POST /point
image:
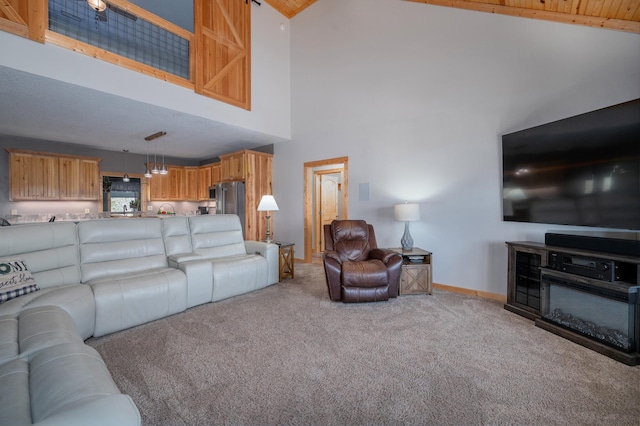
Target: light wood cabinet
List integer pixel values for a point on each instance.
(79, 179)
(258, 168)
(48, 176)
(191, 189)
(159, 187)
(233, 167)
(204, 181)
(176, 182)
(215, 174)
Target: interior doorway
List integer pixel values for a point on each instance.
(326, 195)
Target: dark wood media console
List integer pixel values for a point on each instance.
(577, 294)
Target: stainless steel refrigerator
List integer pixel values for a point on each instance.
(230, 200)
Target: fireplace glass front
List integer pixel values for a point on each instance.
(607, 313)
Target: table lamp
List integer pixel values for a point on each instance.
(268, 204)
(406, 213)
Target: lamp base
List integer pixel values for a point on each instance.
(406, 241)
(268, 237)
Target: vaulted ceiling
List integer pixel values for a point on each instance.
(621, 15)
(290, 8)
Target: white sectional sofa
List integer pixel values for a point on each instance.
(99, 277)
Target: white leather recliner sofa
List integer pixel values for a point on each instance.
(102, 276)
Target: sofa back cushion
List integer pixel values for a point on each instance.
(50, 251)
(217, 235)
(176, 235)
(118, 246)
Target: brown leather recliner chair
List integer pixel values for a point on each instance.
(355, 268)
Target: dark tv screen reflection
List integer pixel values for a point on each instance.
(583, 170)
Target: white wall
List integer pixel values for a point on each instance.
(417, 97)
(270, 77)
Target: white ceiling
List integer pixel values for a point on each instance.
(41, 108)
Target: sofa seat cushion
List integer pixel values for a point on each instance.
(127, 300)
(239, 274)
(367, 273)
(44, 327)
(34, 329)
(76, 299)
(15, 403)
(66, 384)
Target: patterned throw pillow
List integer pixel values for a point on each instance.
(15, 279)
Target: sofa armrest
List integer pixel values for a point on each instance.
(385, 255)
(176, 259)
(269, 251)
(199, 274)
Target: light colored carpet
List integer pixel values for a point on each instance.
(287, 355)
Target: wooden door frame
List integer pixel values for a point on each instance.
(308, 198)
(317, 197)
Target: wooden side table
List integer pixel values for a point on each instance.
(286, 259)
(415, 277)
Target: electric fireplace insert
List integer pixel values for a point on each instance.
(601, 315)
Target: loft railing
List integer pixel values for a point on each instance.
(123, 34)
(221, 69)
(117, 30)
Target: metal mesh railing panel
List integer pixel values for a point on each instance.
(119, 32)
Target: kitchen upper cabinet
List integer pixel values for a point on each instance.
(79, 178)
(176, 182)
(215, 174)
(191, 189)
(204, 181)
(232, 166)
(159, 187)
(47, 176)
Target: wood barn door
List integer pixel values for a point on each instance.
(223, 50)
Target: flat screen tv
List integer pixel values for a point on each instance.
(583, 170)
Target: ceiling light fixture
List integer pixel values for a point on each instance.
(125, 178)
(155, 136)
(163, 168)
(97, 5)
(154, 169)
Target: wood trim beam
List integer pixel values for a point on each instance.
(38, 15)
(589, 21)
(14, 28)
(154, 19)
(87, 49)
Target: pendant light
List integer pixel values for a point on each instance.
(163, 169)
(97, 5)
(154, 169)
(125, 178)
(147, 172)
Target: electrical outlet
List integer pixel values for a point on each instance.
(14, 212)
(149, 208)
(87, 210)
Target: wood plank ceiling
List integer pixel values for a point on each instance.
(290, 8)
(621, 15)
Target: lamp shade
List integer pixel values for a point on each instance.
(267, 203)
(97, 5)
(406, 212)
